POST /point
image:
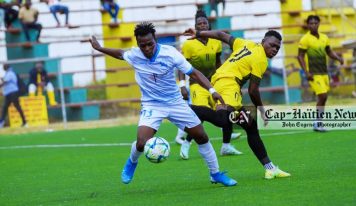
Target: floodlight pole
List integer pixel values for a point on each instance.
(60, 82)
(285, 86)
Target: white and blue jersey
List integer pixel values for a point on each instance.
(10, 80)
(156, 76)
(161, 97)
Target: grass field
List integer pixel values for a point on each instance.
(82, 168)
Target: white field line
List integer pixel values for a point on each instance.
(122, 144)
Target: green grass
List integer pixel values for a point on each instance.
(322, 165)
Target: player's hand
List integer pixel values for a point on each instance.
(94, 43)
(309, 76)
(218, 97)
(341, 60)
(190, 32)
(184, 92)
(263, 116)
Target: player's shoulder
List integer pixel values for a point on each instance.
(323, 36)
(189, 43)
(167, 48)
(258, 53)
(305, 36)
(214, 41)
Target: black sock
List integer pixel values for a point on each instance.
(255, 142)
(227, 131)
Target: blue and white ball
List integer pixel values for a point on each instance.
(157, 149)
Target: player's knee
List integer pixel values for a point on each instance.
(31, 88)
(322, 98)
(140, 145)
(198, 134)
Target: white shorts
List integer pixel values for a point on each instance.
(179, 114)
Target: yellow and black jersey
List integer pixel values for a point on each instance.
(201, 56)
(316, 53)
(248, 60)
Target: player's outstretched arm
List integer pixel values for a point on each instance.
(333, 55)
(204, 82)
(215, 34)
(116, 53)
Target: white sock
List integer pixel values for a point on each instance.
(269, 166)
(180, 133)
(208, 153)
(225, 145)
(134, 155)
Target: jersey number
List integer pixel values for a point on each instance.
(242, 53)
(207, 57)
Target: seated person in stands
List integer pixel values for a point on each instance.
(353, 69)
(39, 81)
(55, 7)
(113, 9)
(10, 14)
(28, 17)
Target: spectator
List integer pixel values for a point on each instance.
(353, 69)
(10, 14)
(28, 17)
(55, 7)
(11, 93)
(214, 7)
(38, 81)
(113, 9)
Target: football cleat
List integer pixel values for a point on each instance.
(276, 172)
(184, 150)
(220, 177)
(128, 171)
(229, 150)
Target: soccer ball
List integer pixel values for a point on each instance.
(157, 149)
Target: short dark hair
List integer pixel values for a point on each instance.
(273, 33)
(200, 13)
(144, 28)
(311, 17)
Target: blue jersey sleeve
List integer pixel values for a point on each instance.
(129, 56)
(181, 63)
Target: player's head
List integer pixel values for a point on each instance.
(146, 39)
(39, 66)
(6, 67)
(313, 22)
(271, 43)
(27, 4)
(201, 21)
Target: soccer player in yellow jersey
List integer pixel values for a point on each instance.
(248, 61)
(204, 55)
(316, 45)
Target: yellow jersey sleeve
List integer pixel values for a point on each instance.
(258, 68)
(303, 43)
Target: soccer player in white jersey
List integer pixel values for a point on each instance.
(154, 66)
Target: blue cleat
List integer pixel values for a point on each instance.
(128, 171)
(220, 177)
